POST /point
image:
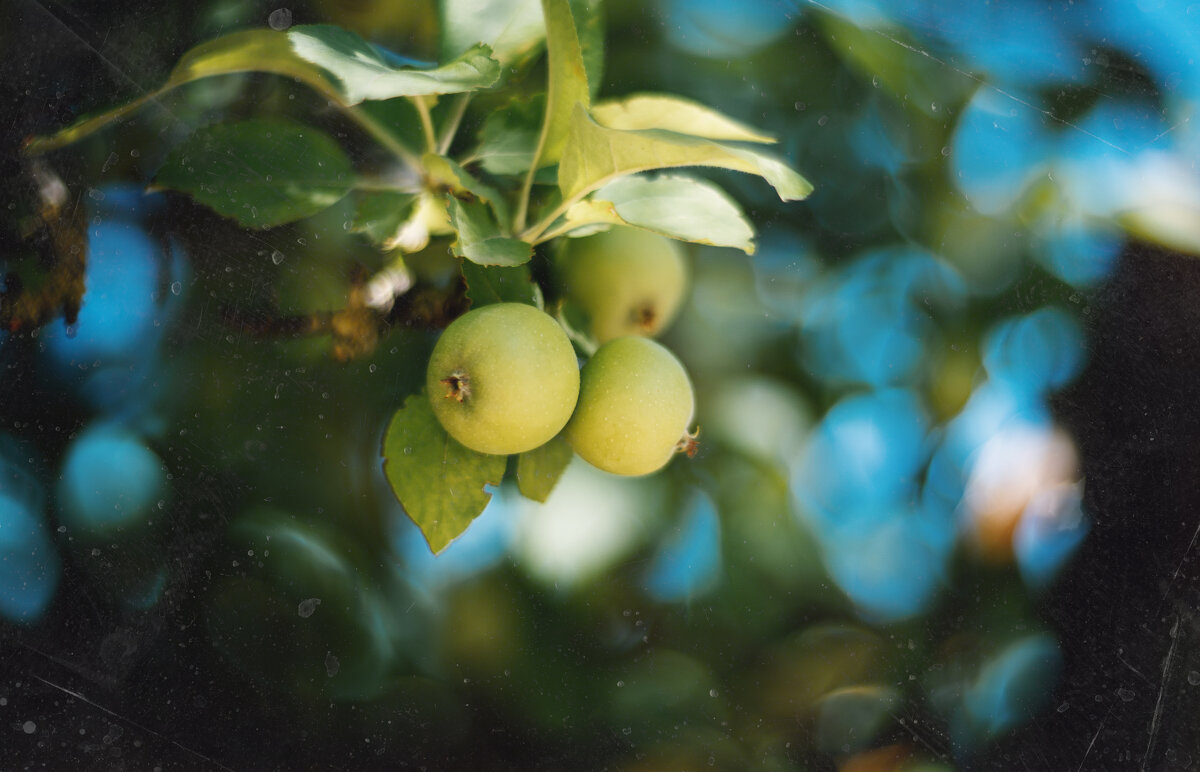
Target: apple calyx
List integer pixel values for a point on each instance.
(458, 386)
(645, 317)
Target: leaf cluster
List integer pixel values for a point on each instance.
(560, 164)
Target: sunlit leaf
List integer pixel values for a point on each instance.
(362, 73)
(538, 470)
(589, 26)
(513, 28)
(259, 50)
(439, 482)
(678, 207)
(672, 113)
(1174, 224)
(596, 155)
(497, 284)
(262, 172)
(568, 84)
(379, 215)
(479, 239)
(333, 61)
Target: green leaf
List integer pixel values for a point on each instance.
(596, 155)
(398, 118)
(335, 62)
(361, 73)
(513, 28)
(678, 207)
(446, 172)
(672, 113)
(258, 50)
(589, 25)
(538, 470)
(568, 83)
(262, 172)
(439, 482)
(379, 215)
(510, 135)
(496, 284)
(479, 238)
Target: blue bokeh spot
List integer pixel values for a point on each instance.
(1036, 353)
(29, 563)
(109, 480)
(117, 322)
(1014, 685)
(1045, 542)
(862, 459)
(689, 562)
(887, 568)
(999, 147)
(865, 323)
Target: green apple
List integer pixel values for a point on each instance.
(629, 281)
(503, 378)
(635, 405)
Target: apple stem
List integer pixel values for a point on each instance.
(688, 443)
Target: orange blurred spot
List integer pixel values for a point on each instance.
(888, 759)
(1010, 471)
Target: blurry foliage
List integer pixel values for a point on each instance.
(874, 390)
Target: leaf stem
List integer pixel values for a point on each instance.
(523, 201)
(586, 343)
(531, 235)
(426, 123)
(451, 126)
(370, 185)
(369, 124)
(555, 233)
(380, 134)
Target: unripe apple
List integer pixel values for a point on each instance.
(629, 281)
(503, 378)
(635, 405)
